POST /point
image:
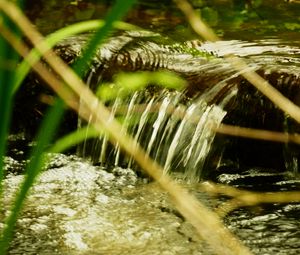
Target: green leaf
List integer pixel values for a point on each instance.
(46, 133)
(292, 26)
(74, 138)
(126, 83)
(168, 80)
(52, 39)
(108, 91)
(132, 81)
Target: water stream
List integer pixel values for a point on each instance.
(177, 136)
(77, 207)
(99, 203)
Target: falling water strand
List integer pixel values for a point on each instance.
(125, 125)
(79, 125)
(202, 141)
(191, 141)
(102, 157)
(176, 139)
(81, 150)
(167, 126)
(142, 122)
(194, 140)
(157, 124)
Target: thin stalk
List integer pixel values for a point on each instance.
(259, 134)
(240, 198)
(118, 10)
(207, 223)
(239, 64)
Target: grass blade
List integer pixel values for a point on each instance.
(46, 133)
(52, 39)
(8, 63)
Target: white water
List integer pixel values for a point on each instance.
(178, 136)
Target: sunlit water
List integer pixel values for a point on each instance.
(80, 208)
(177, 136)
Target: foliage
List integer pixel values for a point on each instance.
(125, 84)
(257, 15)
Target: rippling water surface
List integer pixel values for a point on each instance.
(78, 208)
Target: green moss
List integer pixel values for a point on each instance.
(185, 48)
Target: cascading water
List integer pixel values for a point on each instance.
(79, 208)
(174, 130)
(176, 135)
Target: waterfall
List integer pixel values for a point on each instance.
(175, 131)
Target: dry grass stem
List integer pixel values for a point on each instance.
(239, 64)
(251, 133)
(206, 222)
(259, 134)
(242, 198)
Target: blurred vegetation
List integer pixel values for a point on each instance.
(225, 16)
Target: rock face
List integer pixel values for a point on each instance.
(134, 51)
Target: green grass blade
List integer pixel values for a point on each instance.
(8, 63)
(4, 102)
(119, 9)
(52, 39)
(46, 133)
(74, 138)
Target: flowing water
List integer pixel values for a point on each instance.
(175, 135)
(80, 208)
(101, 205)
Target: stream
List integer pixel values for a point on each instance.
(98, 202)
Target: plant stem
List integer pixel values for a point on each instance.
(7, 66)
(207, 223)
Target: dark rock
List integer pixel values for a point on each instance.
(134, 51)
